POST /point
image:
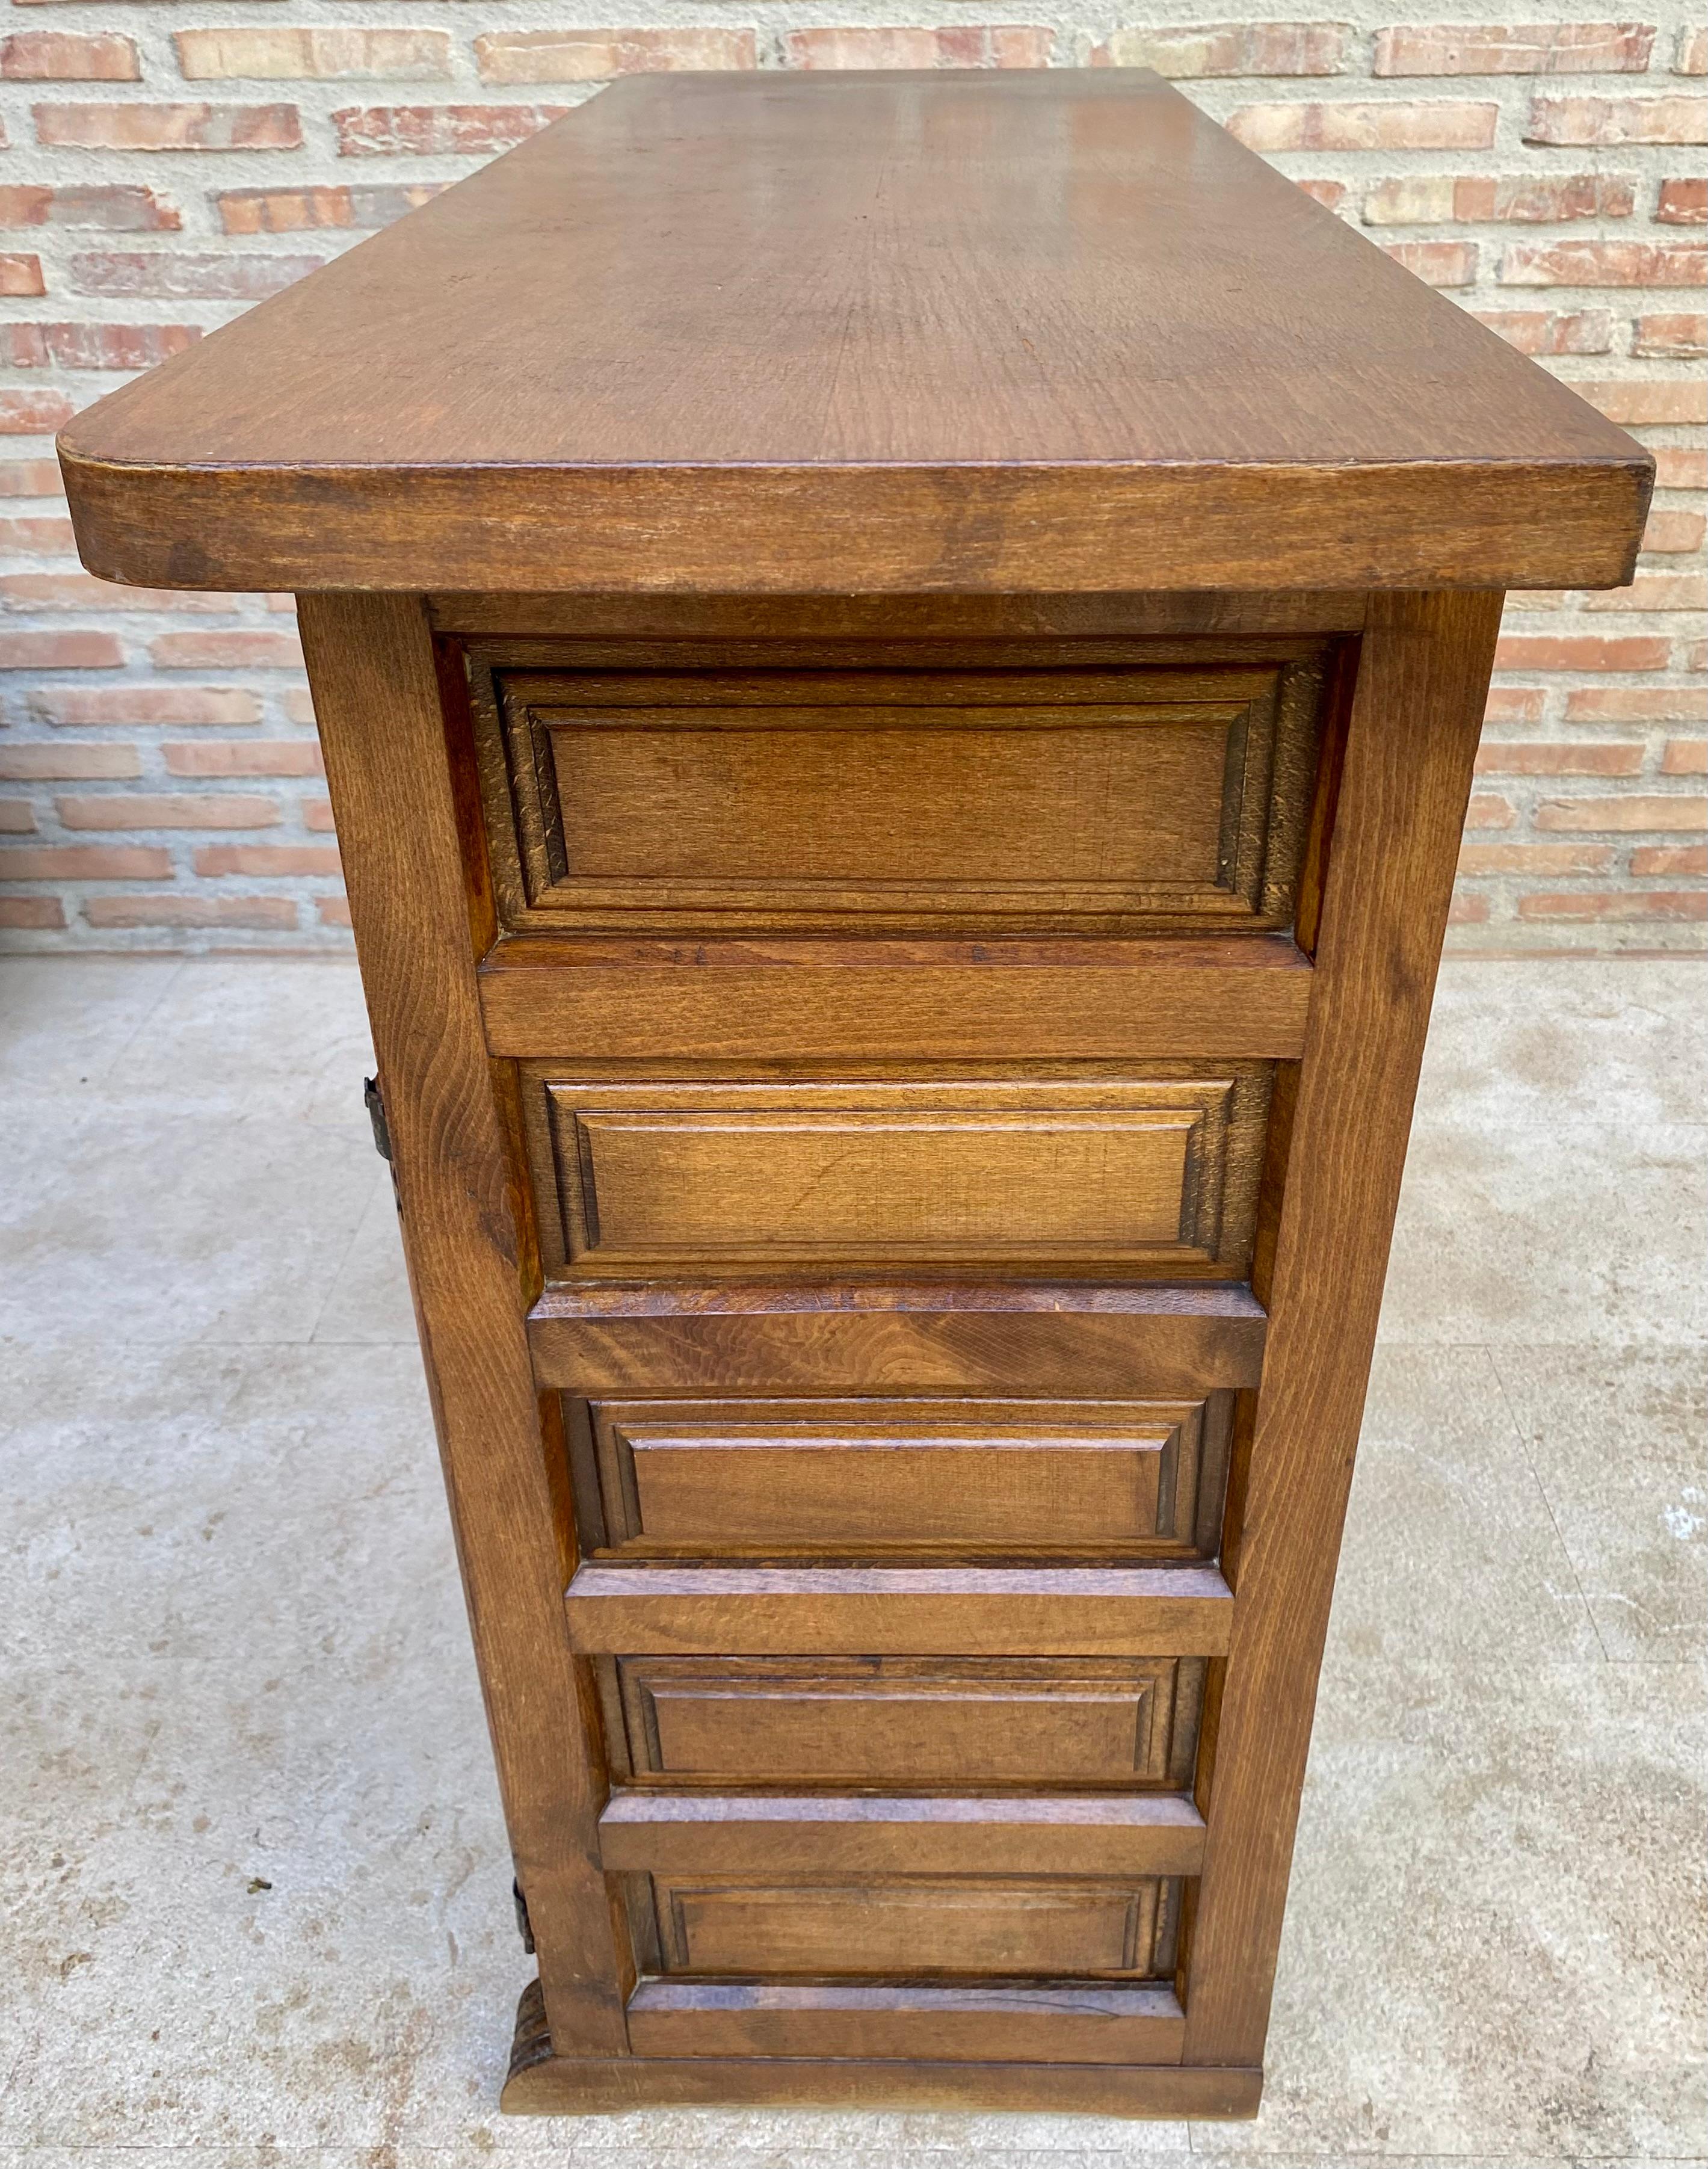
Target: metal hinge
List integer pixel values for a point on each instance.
(376, 1115)
(525, 1928)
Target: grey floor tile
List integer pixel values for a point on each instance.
(66, 1020)
(369, 1301)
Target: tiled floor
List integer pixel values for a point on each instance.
(256, 1905)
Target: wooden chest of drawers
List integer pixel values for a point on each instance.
(899, 778)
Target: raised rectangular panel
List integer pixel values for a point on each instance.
(838, 1478)
(1111, 798)
(917, 1721)
(916, 1925)
(1100, 1174)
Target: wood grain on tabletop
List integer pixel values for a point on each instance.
(962, 330)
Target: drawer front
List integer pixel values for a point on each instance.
(928, 800)
(1099, 1175)
(913, 1926)
(908, 1721)
(666, 1479)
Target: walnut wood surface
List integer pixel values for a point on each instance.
(377, 700)
(965, 331)
(1403, 786)
(1087, 2023)
(867, 1833)
(1137, 1611)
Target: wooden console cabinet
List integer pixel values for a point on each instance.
(899, 658)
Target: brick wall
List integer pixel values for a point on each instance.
(166, 164)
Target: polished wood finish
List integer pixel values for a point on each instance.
(915, 797)
(1040, 329)
(887, 1337)
(876, 1474)
(1145, 1833)
(875, 1000)
(668, 1180)
(1113, 1722)
(898, 1044)
(1137, 1611)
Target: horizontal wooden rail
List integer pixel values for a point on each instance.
(1150, 1338)
(1134, 1834)
(1106, 1611)
(1208, 998)
(1079, 2022)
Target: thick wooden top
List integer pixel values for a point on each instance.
(926, 333)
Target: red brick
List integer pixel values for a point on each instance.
(1618, 904)
(1605, 263)
(68, 764)
(957, 46)
(1540, 200)
(59, 650)
(116, 209)
(1683, 203)
(1436, 125)
(245, 757)
(570, 56)
(1512, 49)
(333, 910)
(1623, 814)
(1485, 811)
(299, 707)
(317, 815)
(68, 57)
(1669, 531)
(475, 132)
(1579, 652)
(1655, 591)
(125, 809)
(1468, 911)
(34, 536)
(1330, 194)
(82, 591)
(1650, 859)
(187, 127)
(1196, 50)
(1691, 55)
(31, 478)
(226, 650)
(1534, 859)
(1575, 120)
(1637, 703)
(94, 346)
(266, 861)
(1567, 759)
(1551, 331)
(303, 210)
(1680, 466)
(322, 54)
(1647, 399)
(252, 911)
(34, 413)
(187, 277)
(1683, 757)
(1437, 263)
(85, 862)
(44, 912)
(75, 707)
(17, 817)
(1696, 655)
(1670, 338)
(1514, 704)
(21, 275)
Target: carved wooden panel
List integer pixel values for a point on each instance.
(965, 1721)
(850, 1479)
(1118, 794)
(914, 1926)
(1092, 1175)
